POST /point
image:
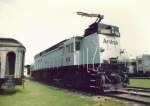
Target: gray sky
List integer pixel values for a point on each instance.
(39, 24)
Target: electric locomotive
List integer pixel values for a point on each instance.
(92, 61)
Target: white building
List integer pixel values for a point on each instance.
(12, 55)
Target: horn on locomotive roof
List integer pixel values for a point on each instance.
(99, 16)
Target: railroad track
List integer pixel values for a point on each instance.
(129, 95)
(138, 90)
(139, 97)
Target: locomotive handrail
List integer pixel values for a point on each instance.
(94, 56)
(98, 66)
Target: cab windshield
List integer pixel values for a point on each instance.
(102, 29)
(108, 30)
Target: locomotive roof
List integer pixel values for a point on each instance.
(97, 26)
(51, 48)
(54, 47)
(9, 42)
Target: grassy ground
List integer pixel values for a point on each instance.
(36, 94)
(145, 83)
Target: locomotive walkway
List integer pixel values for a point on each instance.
(37, 94)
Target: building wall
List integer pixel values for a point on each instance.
(18, 62)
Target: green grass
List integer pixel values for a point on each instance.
(145, 83)
(36, 94)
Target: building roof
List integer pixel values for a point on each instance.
(9, 42)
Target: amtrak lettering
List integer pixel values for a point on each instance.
(110, 42)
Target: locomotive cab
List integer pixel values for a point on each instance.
(106, 55)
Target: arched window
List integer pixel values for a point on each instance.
(11, 59)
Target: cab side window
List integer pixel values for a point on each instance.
(69, 48)
(77, 46)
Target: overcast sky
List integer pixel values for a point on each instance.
(39, 24)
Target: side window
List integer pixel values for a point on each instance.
(69, 48)
(140, 61)
(77, 45)
(68, 59)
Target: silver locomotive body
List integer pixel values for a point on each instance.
(91, 61)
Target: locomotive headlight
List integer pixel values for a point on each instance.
(121, 51)
(102, 50)
(112, 30)
(106, 61)
(117, 33)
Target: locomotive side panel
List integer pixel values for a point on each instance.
(90, 51)
(51, 59)
(68, 53)
(61, 56)
(54, 59)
